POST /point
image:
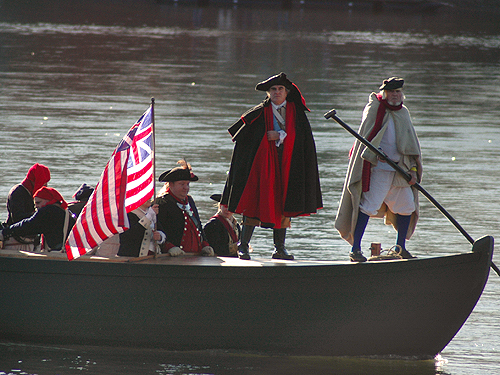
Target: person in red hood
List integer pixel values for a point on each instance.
(51, 219)
(20, 204)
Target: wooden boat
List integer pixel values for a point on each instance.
(400, 307)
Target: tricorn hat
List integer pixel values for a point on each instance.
(216, 197)
(178, 174)
(182, 173)
(83, 193)
(279, 79)
(392, 83)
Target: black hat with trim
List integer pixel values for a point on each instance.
(183, 173)
(392, 83)
(83, 193)
(279, 79)
(177, 174)
(216, 197)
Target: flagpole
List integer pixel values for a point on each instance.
(153, 146)
(153, 159)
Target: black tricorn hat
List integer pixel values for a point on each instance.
(392, 83)
(279, 79)
(216, 197)
(178, 174)
(83, 193)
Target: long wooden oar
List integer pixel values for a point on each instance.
(333, 114)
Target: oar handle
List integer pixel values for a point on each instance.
(333, 114)
(330, 113)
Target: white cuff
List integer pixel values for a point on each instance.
(282, 134)
(151, 215)
(163, 237)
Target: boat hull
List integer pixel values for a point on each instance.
(404, 307)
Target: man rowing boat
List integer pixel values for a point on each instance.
(372, 188)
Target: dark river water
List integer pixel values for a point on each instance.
(75, 75)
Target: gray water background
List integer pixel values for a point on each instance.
(75, 75)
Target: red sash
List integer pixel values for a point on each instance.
(383, 106)
(229, 227)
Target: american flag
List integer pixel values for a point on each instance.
(126, 183)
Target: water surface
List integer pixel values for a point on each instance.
(75, 76)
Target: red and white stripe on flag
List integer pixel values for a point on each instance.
(126, 183)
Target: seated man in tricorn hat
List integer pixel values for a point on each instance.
(274, 169)
(178, 216)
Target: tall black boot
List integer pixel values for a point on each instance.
(279, 244)
(246, 235)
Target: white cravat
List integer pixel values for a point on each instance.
(279, 111)
(186, 208)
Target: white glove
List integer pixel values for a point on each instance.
(151, 215)
(176, 251)
(207, 251)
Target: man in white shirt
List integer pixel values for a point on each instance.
(372, 187)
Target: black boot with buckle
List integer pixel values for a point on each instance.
(279, 244)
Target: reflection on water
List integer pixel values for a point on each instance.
(31, 359)
(74, 76)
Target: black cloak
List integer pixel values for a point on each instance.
(303, 189)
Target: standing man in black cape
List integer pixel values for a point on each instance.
(274, 169)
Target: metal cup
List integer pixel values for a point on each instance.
(375, 248)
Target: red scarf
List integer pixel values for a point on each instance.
(383, 106)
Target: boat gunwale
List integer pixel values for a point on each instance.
(202, 267)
